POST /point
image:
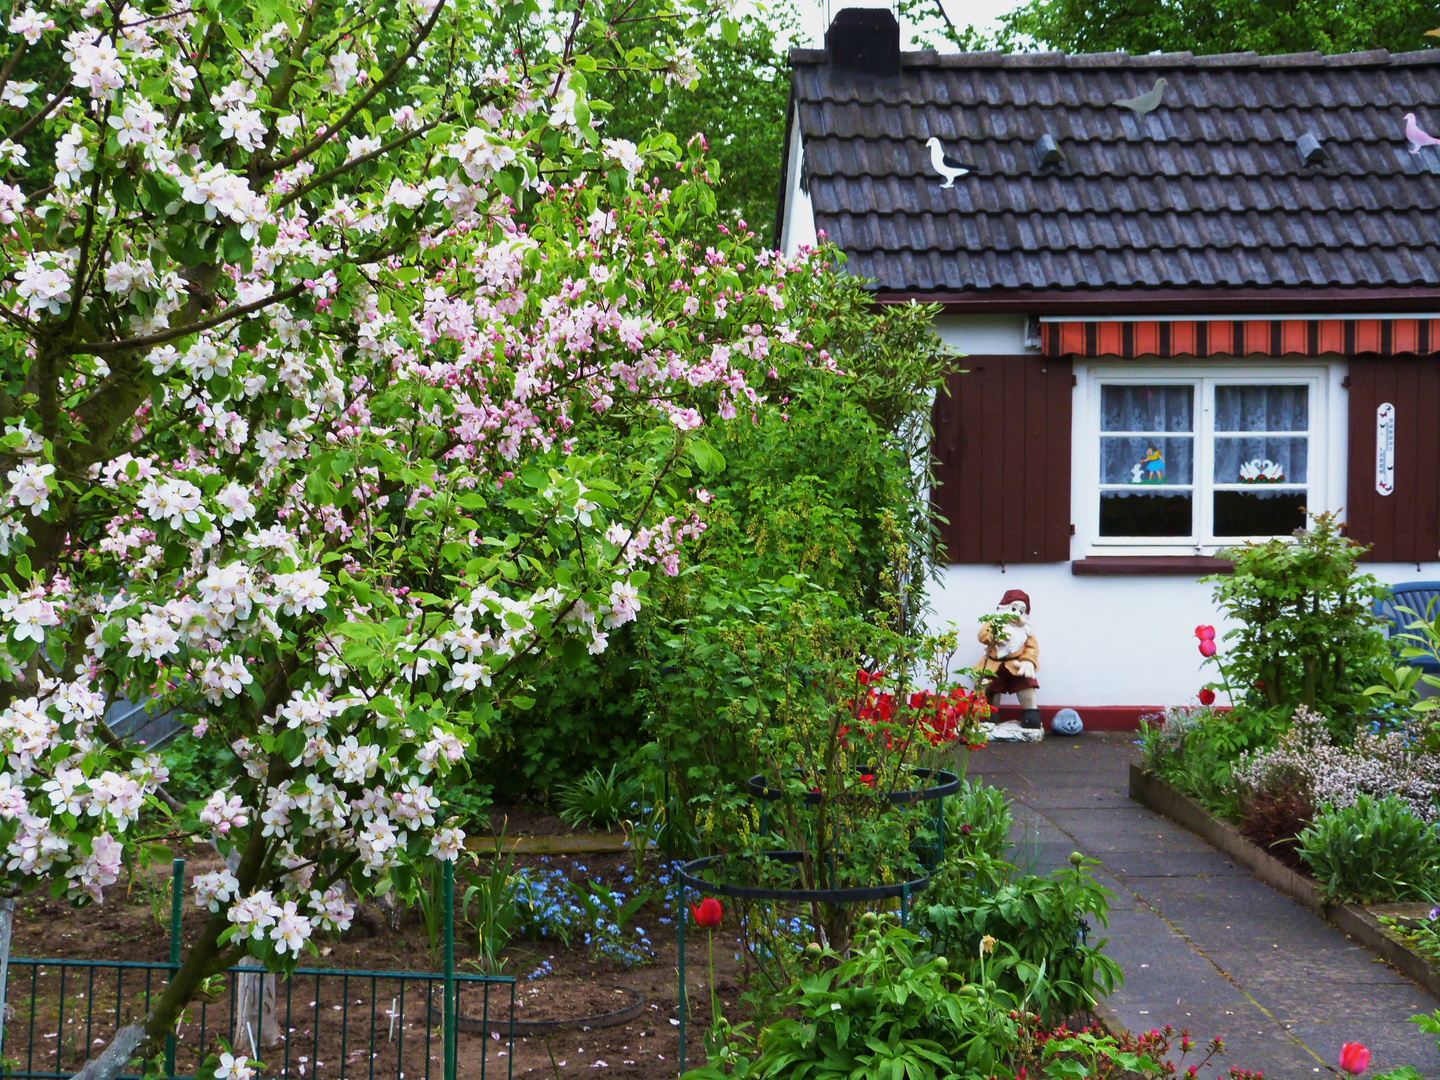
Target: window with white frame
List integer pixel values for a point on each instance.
(1204, 460)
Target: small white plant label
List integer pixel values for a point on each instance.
(1385, 449)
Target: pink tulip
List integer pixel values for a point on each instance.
(1354, 1058)
(1205, 633)
(1207, 647)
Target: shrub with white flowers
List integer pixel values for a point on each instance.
(348, 378)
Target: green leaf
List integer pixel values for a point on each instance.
(707, 457)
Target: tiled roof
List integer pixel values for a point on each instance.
(1206, 192)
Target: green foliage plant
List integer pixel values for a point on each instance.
(977, 821)
(598, 800)
(1195, 748)
(1431, 1026)
(491, 892)
(1042, 927)
(1399, 685)
(886, 1009)
(1306, 633)
(1372, 851)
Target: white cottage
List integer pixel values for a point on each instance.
(1185, 327)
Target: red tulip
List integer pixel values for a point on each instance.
(1205, 633)
(707, 914)
(1207, 647)
(1354, 1058)
(1207, 696)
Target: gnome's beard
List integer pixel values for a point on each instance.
(1014, 639)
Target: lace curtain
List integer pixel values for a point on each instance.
(1268, 458)
(1153, 412)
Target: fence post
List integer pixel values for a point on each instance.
(680, 942)
(177, 893)
(448, 872)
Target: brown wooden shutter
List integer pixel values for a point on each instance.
(1403, 526)
(1002, 459)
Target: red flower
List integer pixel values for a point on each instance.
(868, 778)
(1207, 696)
(1354, 1058)
(1205, 633)
(707, 914)
(1207, 647)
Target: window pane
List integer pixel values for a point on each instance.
(1145, 513)
(1139, 460)
(1262, 408)
(1147, 408)
(1259, 513)
(1262, 461)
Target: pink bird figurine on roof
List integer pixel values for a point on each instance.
(1418, 136)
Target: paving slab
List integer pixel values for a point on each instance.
(1203, 944)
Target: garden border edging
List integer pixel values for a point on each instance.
(1150, 790)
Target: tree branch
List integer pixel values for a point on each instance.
(379, 84)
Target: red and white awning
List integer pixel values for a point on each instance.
(1241, 337)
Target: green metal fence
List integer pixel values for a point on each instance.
(323, 1024)
(332, 1025)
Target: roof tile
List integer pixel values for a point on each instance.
(1206, 191)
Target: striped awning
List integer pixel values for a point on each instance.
(1241, 337)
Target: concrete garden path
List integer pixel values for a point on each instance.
(1202, 943)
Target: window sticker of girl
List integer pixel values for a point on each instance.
(1150, 469)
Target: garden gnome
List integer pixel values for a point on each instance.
(1013, 660)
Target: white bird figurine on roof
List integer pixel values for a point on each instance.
(945, 165)
(1147, 102)
(1417, 135)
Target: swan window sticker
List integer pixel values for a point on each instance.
(1150, 469)
(1262, 472)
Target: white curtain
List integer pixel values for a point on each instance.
(1265, 410)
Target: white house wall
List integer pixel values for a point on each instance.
(798, 229)
(1113, 640)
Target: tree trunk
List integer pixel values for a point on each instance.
(7, 926)
(255, 1024)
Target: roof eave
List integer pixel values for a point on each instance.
(1102, 303)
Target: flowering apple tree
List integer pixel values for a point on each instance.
(349, 376)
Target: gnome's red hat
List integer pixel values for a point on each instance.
(1013, 595)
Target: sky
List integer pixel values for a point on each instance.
(815, 14)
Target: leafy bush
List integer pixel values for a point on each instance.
(197, 766)
(1373, 851)
(1195, 748)
(599, 800)
(887, 1010)
(1307, 634)
(825, 494)
(1274, 819)
(1042, 927)
(977, 821)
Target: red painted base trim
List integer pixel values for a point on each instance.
(1096, 717)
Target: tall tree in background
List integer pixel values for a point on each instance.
(738, 105)
(1198, 26)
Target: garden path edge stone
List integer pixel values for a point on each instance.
(1360, 925)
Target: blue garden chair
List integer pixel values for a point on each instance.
(1422, 597)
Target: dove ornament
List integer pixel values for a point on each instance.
(1145, 103)
(1417, 136)
(945, 165)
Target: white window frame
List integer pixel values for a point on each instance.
(1319, 379)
